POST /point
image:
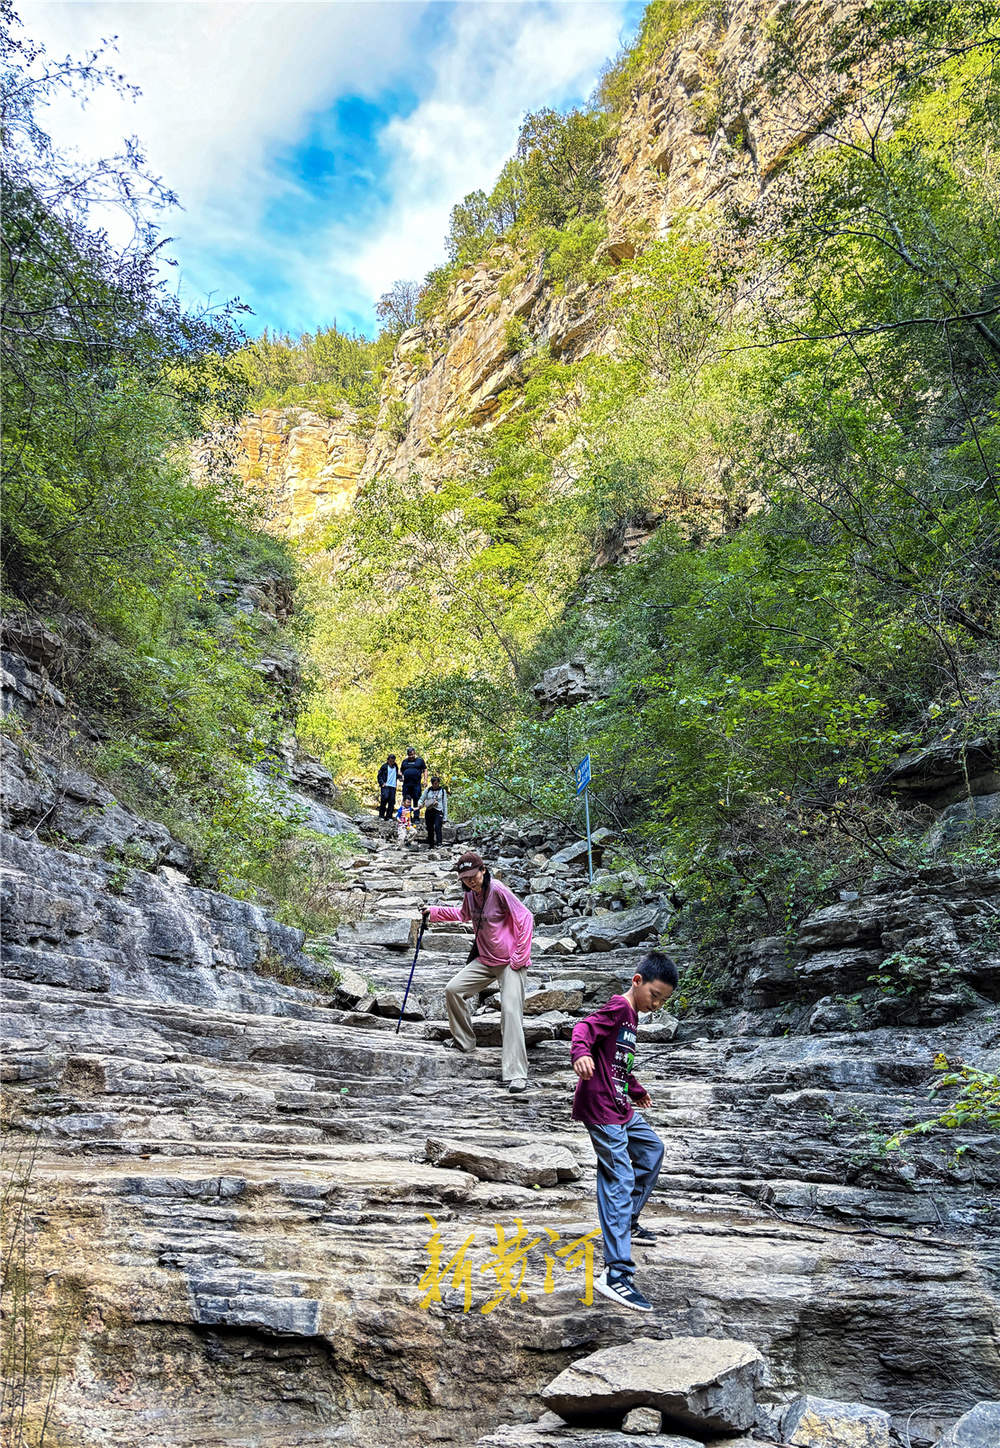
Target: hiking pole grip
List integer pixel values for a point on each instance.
(406, 995)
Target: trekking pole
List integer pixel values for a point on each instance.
(420, 941)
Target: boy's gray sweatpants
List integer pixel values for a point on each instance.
(628, 1162)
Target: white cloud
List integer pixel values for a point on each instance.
(230, 89)
(222, 82)
(500, 61)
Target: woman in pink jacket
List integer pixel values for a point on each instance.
(501, 952)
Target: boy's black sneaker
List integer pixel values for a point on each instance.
(623, 1290)
(641, 1233)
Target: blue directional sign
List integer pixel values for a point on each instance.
(583, 773)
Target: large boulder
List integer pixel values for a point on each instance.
(703, 1383)
(824, 1423)
(561, 945)
(24, 688)
(617, 929)
(546, 909)
(539, 1001)
(574, 853)
(350, 988)
(389, 1003)
(979, 1428)
(960, 817)
(29, 638)
(661, 1028)
(567, 684)
(527, 1166)
(947, 771)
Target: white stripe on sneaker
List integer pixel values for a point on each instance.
(623, 1291)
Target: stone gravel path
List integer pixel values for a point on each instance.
(233, 1194)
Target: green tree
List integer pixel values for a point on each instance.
(105, 382)
(561, 161)
(396, 309)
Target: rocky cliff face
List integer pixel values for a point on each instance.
(456, 369)
(306, 465)
(702, 130)
(699, 132)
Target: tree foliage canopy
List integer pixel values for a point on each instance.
(106, 379)
(809, 409)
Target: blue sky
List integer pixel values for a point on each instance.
(317, 146)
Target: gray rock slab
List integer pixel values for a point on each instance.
(825, 1423)
(573, 854)
(960, 817)
(391, 934)
(351, 987)
(979, 1428)
(390, 1002)
(563, 945)
(642, 1421)
(546, 1027)
(661, 1028)
(705, 1383)
(617, 928)
(551, 1432)
(448, 943)
(536, 1165)
(537, 1002)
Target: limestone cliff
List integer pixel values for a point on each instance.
(456, 369)
(702, 129)
(699, 131)
(306, 465)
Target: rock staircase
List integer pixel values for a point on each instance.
(232, 1184)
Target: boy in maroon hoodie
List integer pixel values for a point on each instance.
(629, 1152)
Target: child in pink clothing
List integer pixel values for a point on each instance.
(501, 953)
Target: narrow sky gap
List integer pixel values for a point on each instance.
(317, 148)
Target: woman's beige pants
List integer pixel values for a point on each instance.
(470, 980)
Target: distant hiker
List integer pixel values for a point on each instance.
(387, 777)
(629, 1152)
(405, 826)
(413, 770)
(434, 803)
(501, 953)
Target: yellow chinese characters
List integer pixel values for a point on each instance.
(507, 1262)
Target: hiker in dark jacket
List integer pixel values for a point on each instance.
(388, 776)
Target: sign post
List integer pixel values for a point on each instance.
(582, 782)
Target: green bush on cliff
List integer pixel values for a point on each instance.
(325, 369)
(663, 23)
(547, 199)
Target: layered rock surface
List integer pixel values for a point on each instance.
(236, 1184)
(305, 463)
